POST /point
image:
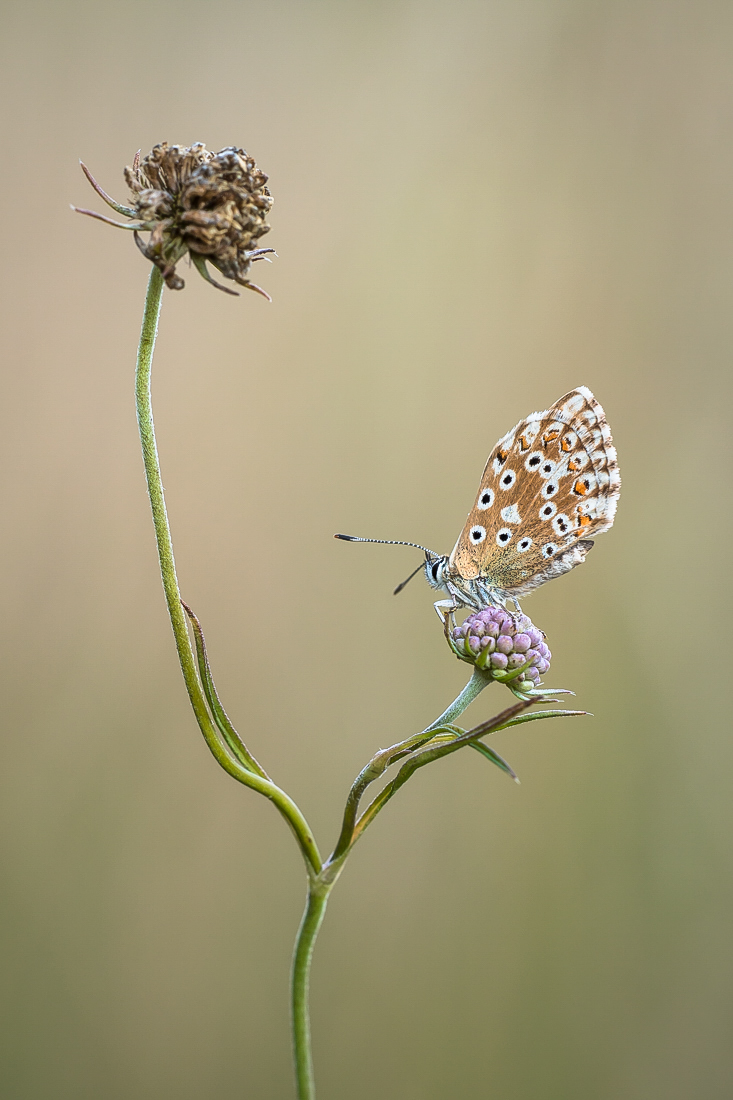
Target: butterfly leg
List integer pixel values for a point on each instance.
(445, 610)
(447, 615)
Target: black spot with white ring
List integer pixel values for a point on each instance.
(549, 489)
(523, 545)
(547, 511)
(547, 469)
(561, 524)
(532, 461)
(477, 534)
(549, 549)
(507, 480)
(503, 536)
(485, 500)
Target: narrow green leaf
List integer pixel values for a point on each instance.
(221, 718)
(494, 757)
(537, 715)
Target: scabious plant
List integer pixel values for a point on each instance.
(212, 206)
(509, 647)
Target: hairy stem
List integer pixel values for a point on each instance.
(315, 910)
(186, 657)
(479, 680)
(157, 501)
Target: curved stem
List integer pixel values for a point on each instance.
(382, 760)
(283, 802)
(479, 680)
(435, 752)
(315, 910)
(157, 500)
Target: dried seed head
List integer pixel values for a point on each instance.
(212, 206)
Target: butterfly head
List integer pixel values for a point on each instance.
(435, 570)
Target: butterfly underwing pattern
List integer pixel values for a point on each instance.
(550, 485)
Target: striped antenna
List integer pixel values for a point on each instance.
(390, 542)
(429, 554)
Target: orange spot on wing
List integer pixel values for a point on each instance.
(502, 456)
(567, 444)
(583, 521)
(580, 487)
(524, 443)
(550, 435)
(574, 465)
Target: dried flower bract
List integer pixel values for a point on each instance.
(212, 206)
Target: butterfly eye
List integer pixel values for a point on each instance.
(547, 511)
(549, 549)
(478, 534)
(486, 499)
(508, 479)
(434, 570)
(503, 536)
(523, 545)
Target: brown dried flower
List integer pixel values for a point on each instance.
(210, 205)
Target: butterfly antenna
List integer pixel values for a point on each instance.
(429, 554)
(413, 574)
(390, 542)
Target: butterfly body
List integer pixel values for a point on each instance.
(479, 592)
(550, 485)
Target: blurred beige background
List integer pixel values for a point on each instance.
(478, 207)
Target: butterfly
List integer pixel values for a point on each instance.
(549, 486)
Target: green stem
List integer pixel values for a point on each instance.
(479, 680)
(315, 910)
(235, 768)
(382, 760)
(157, 499)
(435, 752)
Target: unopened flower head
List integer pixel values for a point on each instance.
(211, 206)
(501, 643)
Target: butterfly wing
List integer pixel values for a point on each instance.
(549, 485)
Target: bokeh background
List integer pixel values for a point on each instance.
(479, 205)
